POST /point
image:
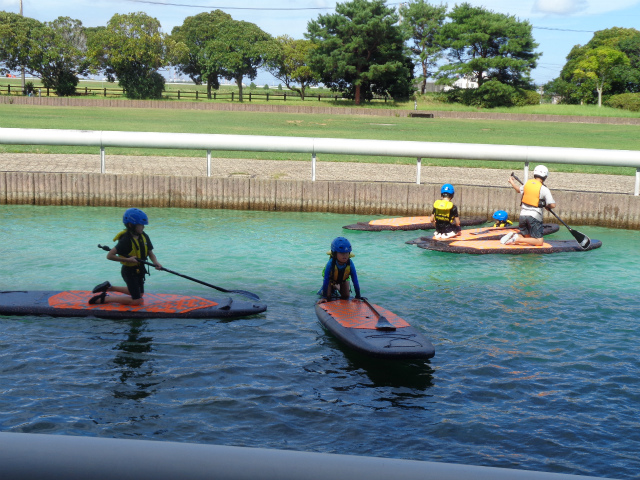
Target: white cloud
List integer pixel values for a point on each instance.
(559, 7)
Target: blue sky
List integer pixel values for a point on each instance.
(558, 24)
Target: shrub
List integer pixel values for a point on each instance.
(625, 101)
(29, 88)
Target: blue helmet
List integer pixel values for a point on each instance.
(340, 245)
(135, 216)
(500, 215)
(447, 188)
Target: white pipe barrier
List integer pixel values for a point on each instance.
(338, 146)
(27, 456)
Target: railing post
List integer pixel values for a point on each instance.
(208, 163)
(232, 95)
(102, 165)
(105, 92)
(313, 167)
(526, 171)
(196, 94)
(178, 94)
(419, 165)
(285, 96)
(267, 96)
(637, 189)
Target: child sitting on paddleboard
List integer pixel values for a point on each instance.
(133, 244)
(502, 219)
(535, 197)
(445, 214)
(338, 270)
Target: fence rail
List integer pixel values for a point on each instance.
(315, 146)
(16, 90)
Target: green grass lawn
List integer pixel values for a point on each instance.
(623, 137)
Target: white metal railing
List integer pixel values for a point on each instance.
(315, 146)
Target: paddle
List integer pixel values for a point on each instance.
(383, 323)
(241, 292)
(581, 238)
(490, 230)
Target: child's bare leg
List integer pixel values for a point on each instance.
(345, 290)
(530, 240)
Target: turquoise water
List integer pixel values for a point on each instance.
(536, 362)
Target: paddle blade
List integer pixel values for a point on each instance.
(384, 324)
(581, 238)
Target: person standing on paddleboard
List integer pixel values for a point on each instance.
(338, 270)
(133, 244)
(445, 214)
(535, 197)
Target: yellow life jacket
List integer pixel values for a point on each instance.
(443, 210)
(139, 249)
(531, 195)
(335, 276)
(504, 223)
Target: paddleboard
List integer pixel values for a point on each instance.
(74, 303)
(407, 223)
(483, 247)
(490, 233)
(353, 322)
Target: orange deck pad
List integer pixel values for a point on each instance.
(469, 234)
(153, 302)
(357, 314)
(495, 245)
(401, 222)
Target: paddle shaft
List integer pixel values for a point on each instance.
(242, 292)
(383, 323)
(581, 238)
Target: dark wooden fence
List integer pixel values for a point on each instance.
(16, 90)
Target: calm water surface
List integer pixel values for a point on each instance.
(536, 362)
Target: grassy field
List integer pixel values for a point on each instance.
(623, 137)
(427, 102)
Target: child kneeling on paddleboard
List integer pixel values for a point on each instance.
(338, 270)
(445, 214)
(133, 244)
(535, 197)
(502, 219)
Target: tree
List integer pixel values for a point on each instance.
(132, 49)
(54, 51)
(623, 78)
(195, 33)
(484, 45)
(58, 55)
(15, 40)
(290, 65)
(238, 50)
(360, 49)
(422, 23)
(598, 66)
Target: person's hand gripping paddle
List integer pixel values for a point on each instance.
(581, 238)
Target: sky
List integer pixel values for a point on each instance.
(558, 25)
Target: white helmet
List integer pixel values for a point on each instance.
(541, 171)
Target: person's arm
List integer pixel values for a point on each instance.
(354, 277)
(325, 282)
(515, 186)
(153, 258)
(548, 198)
(113, 255)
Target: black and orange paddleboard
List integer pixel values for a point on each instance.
(407, 223)
(354, 323)
(74, 303)
(487, 233)
(484, 247)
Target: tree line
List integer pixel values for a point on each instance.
(363, 49)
